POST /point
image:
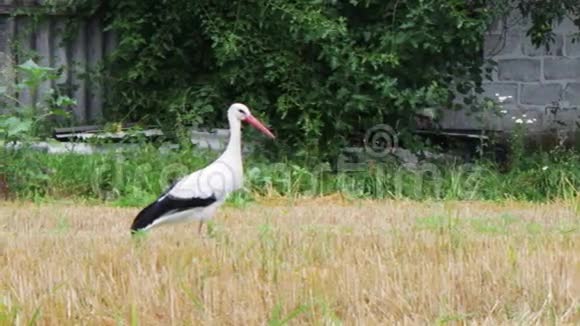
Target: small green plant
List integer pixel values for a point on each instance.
(439, 224)
(23, 121)
(63, 226)
(134, 318)
(278, 318)
(8, 313)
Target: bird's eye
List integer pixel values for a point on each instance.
(241, 111)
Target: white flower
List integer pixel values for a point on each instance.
(544, 168)
(513, 118)
(503, 98)
(519, 121)
(529, 121)
(503, 111)
(523, 115)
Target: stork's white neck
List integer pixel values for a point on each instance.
(233, 152)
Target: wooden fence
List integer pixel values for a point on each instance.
(50, 42)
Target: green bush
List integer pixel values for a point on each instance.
(21, 121)
(316, 70)
(136, 176)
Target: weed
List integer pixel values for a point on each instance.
(63, 226)
(278, 319)
(138, 176)
(8, 313)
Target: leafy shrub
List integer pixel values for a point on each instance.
(317, 70)
(135, 177)
(21, 121)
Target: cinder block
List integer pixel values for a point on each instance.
(565, 118)
(561, 68)
(500, 44)
(516, 22)
(529, 118)
(572, 94)
(540, 94)
(525, 70)
(555, 47)
(496, 26)
(567, 26)
(572, 46)
(504, 93)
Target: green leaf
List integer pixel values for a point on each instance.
(29, 65)
(60, 113)
(15, 126)
(65, 101)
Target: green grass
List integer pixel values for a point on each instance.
(134, 178)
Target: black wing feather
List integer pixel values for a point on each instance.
(159, 208)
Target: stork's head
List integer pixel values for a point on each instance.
(241, 112)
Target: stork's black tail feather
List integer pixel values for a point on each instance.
(146, 217)
(165, 205)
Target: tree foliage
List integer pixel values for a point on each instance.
(544, 14)
(317, 70)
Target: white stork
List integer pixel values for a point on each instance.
(197, 196)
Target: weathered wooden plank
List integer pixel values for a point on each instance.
(7, 30)
(95, 57)
(43, 48)
(44, 40)
(78, 68)
(111, 41)
(24, 51)
(7, 72)
(3, 33)
(10, 6)
(59, 55)
(6, 9)
(16, 7)
(88, 128)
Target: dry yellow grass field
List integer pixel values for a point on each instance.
(315, 262)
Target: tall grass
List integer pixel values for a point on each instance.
(132, 178)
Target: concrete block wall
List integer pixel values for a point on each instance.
(531, 80)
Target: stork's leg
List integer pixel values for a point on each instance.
(200, 227)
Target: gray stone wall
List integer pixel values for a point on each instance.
(530, 81)
(3, 34)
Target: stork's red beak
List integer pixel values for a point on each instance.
(258, 125)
